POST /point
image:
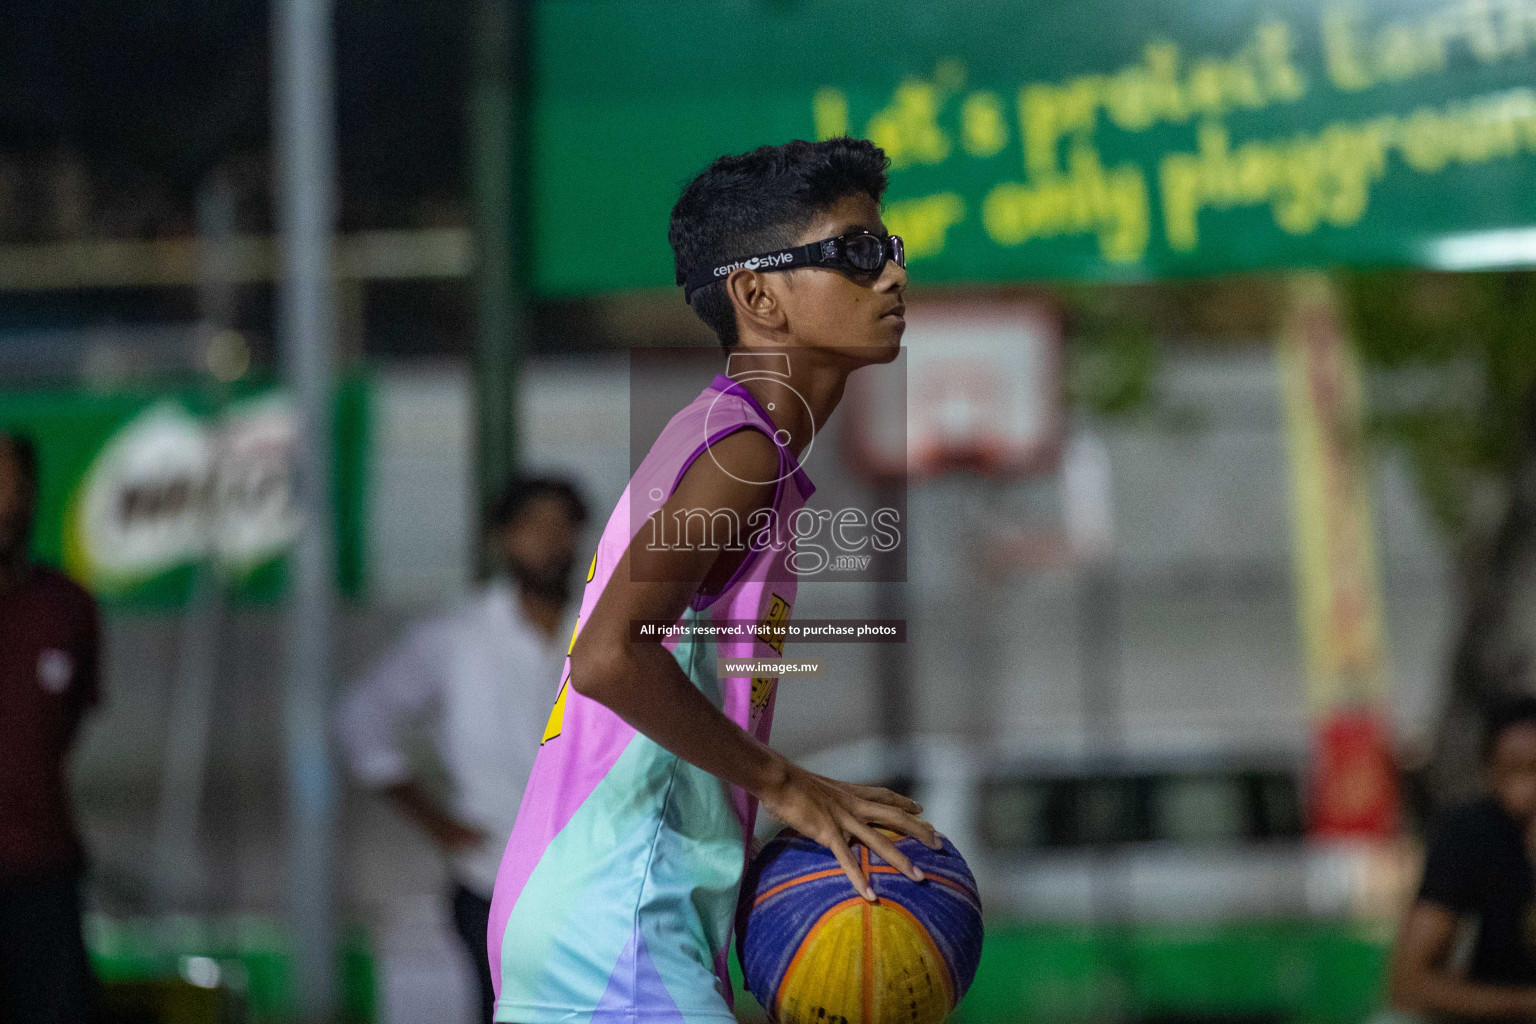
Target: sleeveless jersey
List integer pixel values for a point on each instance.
(615, 896)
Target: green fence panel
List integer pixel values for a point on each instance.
(252, 953)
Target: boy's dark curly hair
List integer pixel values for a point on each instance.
(760, 201)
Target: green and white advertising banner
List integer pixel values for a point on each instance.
(137, 488)
(1052, 139)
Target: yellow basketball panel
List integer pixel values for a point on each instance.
(824, 982)
(911, 980)
(866, 964)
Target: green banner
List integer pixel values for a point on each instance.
(1039, 140)
(138, 487)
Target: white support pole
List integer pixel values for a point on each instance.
(303, 121)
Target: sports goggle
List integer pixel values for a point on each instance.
(861, 251)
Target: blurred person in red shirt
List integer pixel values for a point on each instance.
(48, 678)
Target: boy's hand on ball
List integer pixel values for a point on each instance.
(837, 813)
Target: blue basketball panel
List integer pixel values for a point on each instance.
(769, 934)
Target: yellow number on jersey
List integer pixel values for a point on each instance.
(773, 621)
(762, 689)
(556, 714)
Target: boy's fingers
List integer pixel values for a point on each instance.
(886, 849)
(851, 868)
(880, 795)
(904, 823)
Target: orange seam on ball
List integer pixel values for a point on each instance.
(878, 869)
(796, 881)
(867, 995)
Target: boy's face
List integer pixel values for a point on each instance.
(858, 315)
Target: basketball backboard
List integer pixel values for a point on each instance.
(978, 388)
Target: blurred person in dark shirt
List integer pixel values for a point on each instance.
(48, 678)
(1479, 881)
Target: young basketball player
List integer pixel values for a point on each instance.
(616, 894)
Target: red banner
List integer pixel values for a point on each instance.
(1354, 784)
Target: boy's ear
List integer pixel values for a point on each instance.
(755, 298)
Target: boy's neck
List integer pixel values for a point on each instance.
(802, 404)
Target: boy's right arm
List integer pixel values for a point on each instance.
(643, 684)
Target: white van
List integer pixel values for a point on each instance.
(1164, 830)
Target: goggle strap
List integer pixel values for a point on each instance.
(810, 255)
(802, 256)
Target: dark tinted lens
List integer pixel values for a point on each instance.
(898, 250)
(865, 252)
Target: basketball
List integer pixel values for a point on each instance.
(813, 951)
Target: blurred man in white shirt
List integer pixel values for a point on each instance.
(486, 673)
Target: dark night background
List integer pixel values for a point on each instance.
(126, 108)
